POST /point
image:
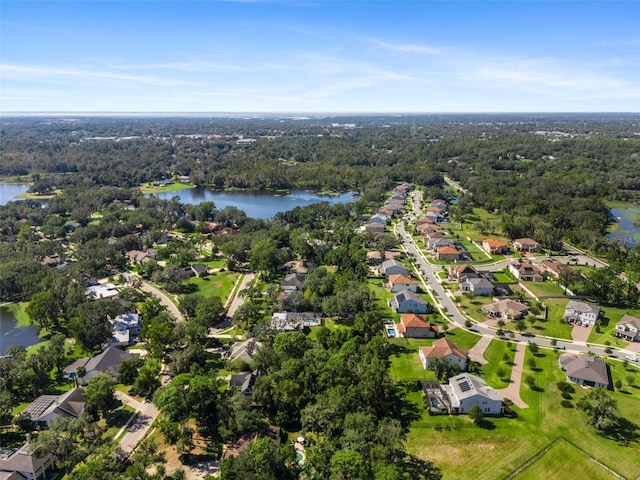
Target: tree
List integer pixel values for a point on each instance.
(43, 309)
(128, 370)
(476, 415)
(208, 311)
(534, 348)
(601, 408)
(348, 465)
(521, 326)
(100, 393)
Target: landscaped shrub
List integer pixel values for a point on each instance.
(566, 404)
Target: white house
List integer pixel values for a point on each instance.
(580, 313)
(477, 286)
(398, 283)
(22, 464)
(628, 328)
(393, 267)
(465, 390)
(443, 349)
(408, 302)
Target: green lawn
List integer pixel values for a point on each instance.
(217, 284)
(405, 364)
(611, 316)
(462, 338)
(473, 306)
(500, 355)
(19, 313)
(541, 289)
(464, 451)
(563, 461)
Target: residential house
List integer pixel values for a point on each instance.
(449, 254)
(47, 407)
(415, 326)
(477, 286)
(108, 361)
(466, 390)
(374, 257)
(374, 227)
(289, 321)
(398, 197)
(526, 272)
(297, 266)
(243, 381)
(292, 282)
(243, 351)
(426, 228)
(140, 256)
(424, 220)
(433, 216)
(22, 464)
(399, 282)
(200, 270)
(437, 243)
(408, 302)
(393, 267)
(506, 308)
(107, 290)
(438, 202)
(496, 247)
(585, 370)
(580, 313)
(430, 237)
(526, 245)
(628, 328)
(125, 330)
(556, 268)
(379, 218)
(444, 349)
(459, 273)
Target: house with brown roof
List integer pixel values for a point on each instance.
(448, 253)
(415, 326)
(506, 308)
(444, 348)
(628, 328)
(526, 245)
(585, 370)
(526, 272)
(400, 282)
(424, 220)
(459, 272)
(556, 268)
(496, 247)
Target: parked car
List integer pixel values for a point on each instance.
(633, 358)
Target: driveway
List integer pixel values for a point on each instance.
(512, 392)
(147, 413)
(164, 299)
(581, 334)
(477, 352)
(238, 299)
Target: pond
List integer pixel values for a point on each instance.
(256, 204)
(8, 192)
(11, 334)
(627, 232)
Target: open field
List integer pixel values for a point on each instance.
(464, 451)
(217, 284)
(541, 289)
(149, 188)
(500, 356)
(563, 461)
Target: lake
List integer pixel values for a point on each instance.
(627, 232)
(9, 191)
(11, 334)
(255, 204)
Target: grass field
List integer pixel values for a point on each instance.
(541, 289)
(464, 451)
(149, 188)
(563, 461)
(19, 313)
(217, 284)
(500, 356)
(473, 306)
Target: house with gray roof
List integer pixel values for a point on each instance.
(393, 267)
(628, 328)
(243, 351)
(23, 465)
(292, 282)
(408, 302)
(108, 361)
(477, 286)
(47, 407)
(585, 370)
(580, 313)
(243, 381)
(466, 390)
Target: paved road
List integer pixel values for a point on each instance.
(147, 413)
(449, 310)
(164, 299)
(238, 299)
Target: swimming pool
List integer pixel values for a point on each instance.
(391, 331)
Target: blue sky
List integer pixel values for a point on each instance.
(319, 56)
